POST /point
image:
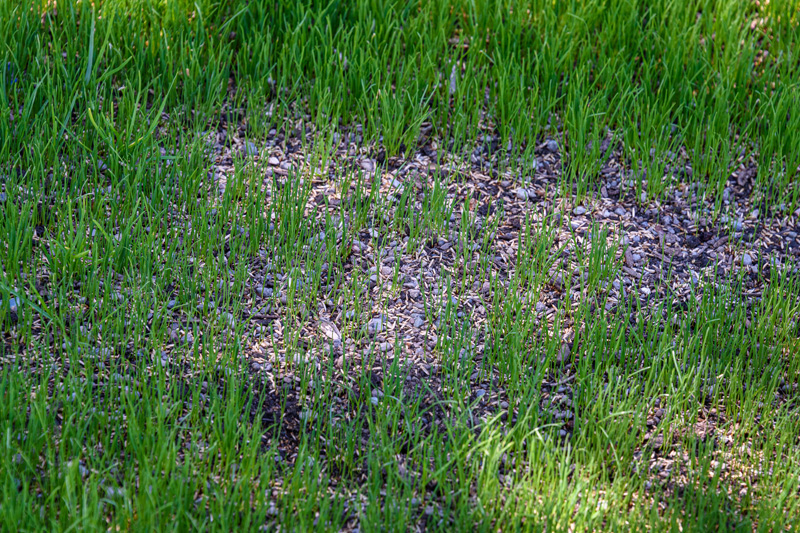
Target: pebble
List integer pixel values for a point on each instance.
(13, 304)
(563, 354)
(551, 145)
(480, 393)
(265, 292)
(3, 197)
(171, 304)
(747, 260)
(375, 325)
(540, 307)
(521, 193)
(209, 306)
(738, 226)
(580, 210)
(620, 211)
(274, 161)
(418, 322)
(367, 164)
(385, 346)
(250, 149)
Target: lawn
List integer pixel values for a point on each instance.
(400, 265)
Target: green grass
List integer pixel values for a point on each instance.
(126, 396)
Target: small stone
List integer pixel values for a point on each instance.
(274, 161)
(375, 325)
(480, 393)
(367, 164)
(209, 306)
(418, 322)
(521, 193)
(3, 197)
(385, 346)
(13, 304)
(264, 292)
(504, 405)
(540, 307)
(171, 304)
(747, 260)
(574, 224)
(580, 210)
(250, 149)
(551, 145)
(563, 354)
(737, 226)
(374, 400)
(620, 211)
